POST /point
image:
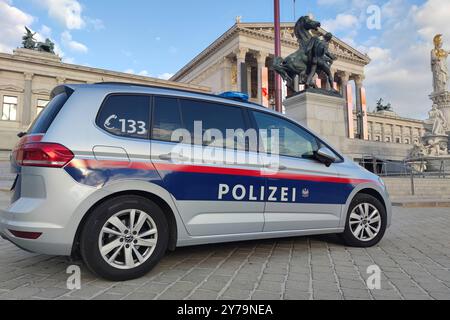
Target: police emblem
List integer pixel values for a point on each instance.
(305, 193)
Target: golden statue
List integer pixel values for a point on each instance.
(439, 65)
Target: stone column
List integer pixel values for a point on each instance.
(261, 60)
(241, 53)
(359, 109)
(348, 107)
(358, 86)
(226, 74)
(345, 77)
(27, 96)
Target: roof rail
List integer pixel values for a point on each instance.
(174, 89)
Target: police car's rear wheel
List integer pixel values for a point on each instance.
(124, 238)
(366, 222)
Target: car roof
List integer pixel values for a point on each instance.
(118, 87)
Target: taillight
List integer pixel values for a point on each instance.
(42, 154)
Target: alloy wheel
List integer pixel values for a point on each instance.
(128, 239)
(365, 222)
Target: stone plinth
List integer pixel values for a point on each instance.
(34, 54)
(320, 111)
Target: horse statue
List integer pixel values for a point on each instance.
(312, 56)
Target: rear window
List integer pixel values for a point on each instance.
(46, 117)
(126, 116)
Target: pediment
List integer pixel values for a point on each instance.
(10, 87)
(44, 92)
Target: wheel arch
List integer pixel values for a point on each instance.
(369, 189)
(374, 193)
(170, 215)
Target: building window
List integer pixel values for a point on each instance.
(406, 141)
(388, 139)
(41, 104)
(377, 138)
(9, 110)
(398, 140)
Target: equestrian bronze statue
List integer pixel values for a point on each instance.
(313, 57)
(30, 43)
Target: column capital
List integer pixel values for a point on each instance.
(344, 75)
(241, 53)
(28, 75)
(261, 57)
(60, 80)
(359, 79)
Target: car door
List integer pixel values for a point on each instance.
(209, 181)
(302, 193)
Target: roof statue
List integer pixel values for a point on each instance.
(28, 42)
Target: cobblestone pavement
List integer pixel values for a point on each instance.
(414, 259)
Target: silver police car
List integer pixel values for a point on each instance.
(119, 174)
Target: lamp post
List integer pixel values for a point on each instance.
(277, 27)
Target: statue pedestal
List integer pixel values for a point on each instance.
(321, 111)
(34, 54)
(442, 100)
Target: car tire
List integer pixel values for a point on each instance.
(111, 244)
(366, 222)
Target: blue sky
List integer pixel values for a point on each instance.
(158, 37)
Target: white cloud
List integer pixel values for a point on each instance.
(66, 39)
(433, 18)
(145, 73)
(165, 76)
(12, 24)
(341, 22)
(400, 68)
(66, 12)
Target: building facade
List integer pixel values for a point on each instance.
(27, 78)
(389, 127)
(240, 60)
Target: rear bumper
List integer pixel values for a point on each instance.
(52, 241)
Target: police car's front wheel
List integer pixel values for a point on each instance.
(366, 222)
(124, 238)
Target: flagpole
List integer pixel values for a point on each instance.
(277, 28)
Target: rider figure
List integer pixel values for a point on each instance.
(321, 59)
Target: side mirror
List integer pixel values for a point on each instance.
(326, 156)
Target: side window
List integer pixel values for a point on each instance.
(125, 116)
(293, 140)
(221, 125)
(166, 118)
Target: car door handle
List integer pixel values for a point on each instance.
(173, 157)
